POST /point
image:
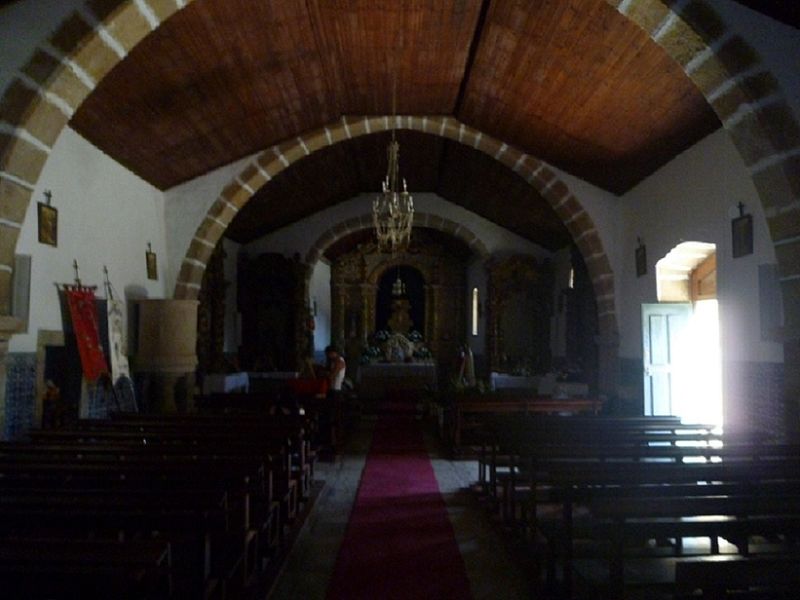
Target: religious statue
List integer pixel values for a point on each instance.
(400, 320)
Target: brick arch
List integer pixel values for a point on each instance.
(349, 226)
(537, 173)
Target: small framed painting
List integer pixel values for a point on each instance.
(152, 263)
(48, 224)
(742, 235)
(641, 260)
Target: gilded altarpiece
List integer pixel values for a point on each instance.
(211, 315)
(519, 308)
(355, 278)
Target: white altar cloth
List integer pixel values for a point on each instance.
(376, 379)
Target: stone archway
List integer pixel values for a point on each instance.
(537, 173)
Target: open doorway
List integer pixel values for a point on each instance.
(682, 359)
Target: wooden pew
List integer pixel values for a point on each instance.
(521, 442)
(60, 569)
(581, 483)
(478, 409)
(762, 577)
(286, 482)
(228, 545)
(258, 508)
(133, 474)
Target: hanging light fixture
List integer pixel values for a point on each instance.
(393, 210)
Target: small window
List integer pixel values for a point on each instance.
(475, 311)
(571, 279)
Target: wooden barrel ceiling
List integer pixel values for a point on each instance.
(572, 82)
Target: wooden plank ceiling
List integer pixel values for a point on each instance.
(570, 81)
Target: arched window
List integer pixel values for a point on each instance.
(475, 310)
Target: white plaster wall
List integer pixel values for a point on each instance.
(302, 235)
(693, 198)
(106, 216)
(603, 208)
(320, 293)
(186, 205)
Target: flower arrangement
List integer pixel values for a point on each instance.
(415, 336)
(395, 347)
(423, 353)
(380, 336)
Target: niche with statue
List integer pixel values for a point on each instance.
(400, 308)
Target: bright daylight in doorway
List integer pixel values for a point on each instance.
(683, 374)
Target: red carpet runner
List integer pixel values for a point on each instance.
(399, 542)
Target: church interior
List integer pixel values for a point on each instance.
(440, 299)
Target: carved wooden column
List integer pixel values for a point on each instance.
(492, 306)
(429, 310)
(338, 303)
(304, 336)
(368, 297)
(436, 333)
(8, 327)
(211, 315)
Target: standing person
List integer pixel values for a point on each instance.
(330, 417)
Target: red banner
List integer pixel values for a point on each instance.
(83, 311)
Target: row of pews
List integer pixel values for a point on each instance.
(153, 506)
(464, 422)
(645, 507)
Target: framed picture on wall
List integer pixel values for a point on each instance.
(152, 263)
(742, 235)
(641, 260)
(48, 224)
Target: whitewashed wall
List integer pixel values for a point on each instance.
(186, 206)
(301, 236)
(693, 198)
(106, 216)
(320, 294)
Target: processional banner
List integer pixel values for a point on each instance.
(83, 311)
(116, 339)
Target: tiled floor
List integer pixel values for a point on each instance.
(311, 562)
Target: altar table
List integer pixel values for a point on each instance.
(226, 383)
(375, 380)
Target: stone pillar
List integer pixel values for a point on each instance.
(368, 293)
(8, 327)
(167, 350)
(338, 302)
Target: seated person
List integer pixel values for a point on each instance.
(336, 371)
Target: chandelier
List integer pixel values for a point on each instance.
(393, 210)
